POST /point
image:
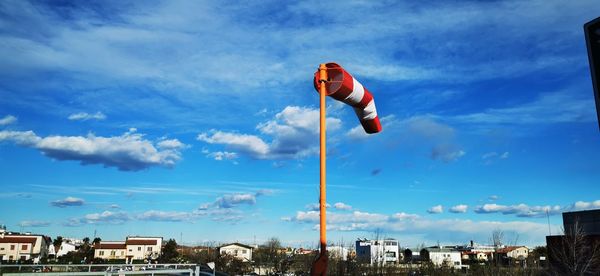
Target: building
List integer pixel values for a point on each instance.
(440, 256)
(513, 252)
(110, 250)
(22, 247)
(386, 251)
(338, 252)
(237, 250)
(577, 251)
(143, 248)
(67, 245)
(133, 248)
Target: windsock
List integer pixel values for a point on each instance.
(343, 87)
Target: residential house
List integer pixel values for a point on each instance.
(67, 245)
(143, 248)
(386, 251)
(22, 247)
(237, 250)
(441, 256)
(110, 250)
(513, 252)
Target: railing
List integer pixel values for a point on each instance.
(100, 269)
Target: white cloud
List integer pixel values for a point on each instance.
(292, 134)
(404, 216)
(7, 120)
(68, 201)
(84, 116)
(583, 205)
(128, 152)
(316, 206)
(106, 217)
(520, 210)
(342, 206)
(437, 209)
(504, 155)
(493, 197)
(461, 208)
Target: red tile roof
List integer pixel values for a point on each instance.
(141, 242)
(110, 246)
(9, 239)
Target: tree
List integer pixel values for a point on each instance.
(575, 253)
(57, 243)
(169, 252)
(97, 240)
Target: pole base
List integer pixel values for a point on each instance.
(319, 267)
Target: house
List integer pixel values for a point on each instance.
(133, 248)
(513, 252)
(143, 248)
(386, 251)
(67, 245)
(237, 250)
(22, 247)
(440, 256)
(110, 250)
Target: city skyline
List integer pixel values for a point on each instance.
(200, 120)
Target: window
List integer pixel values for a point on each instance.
(12, 247)
(244, 251)
(150, 248)
(139, 248)
(112, 253)
(24, 247)
(130, 249)
(101, 253)
(2, 248)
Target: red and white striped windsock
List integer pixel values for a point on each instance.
(343, 87)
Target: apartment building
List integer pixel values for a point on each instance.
(386, 251)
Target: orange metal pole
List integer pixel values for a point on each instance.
(322, 185)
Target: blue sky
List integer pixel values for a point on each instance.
(198, 120)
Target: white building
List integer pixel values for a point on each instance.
(110, 250)
(67, 245)
(143, 248)
(386, 251)
(237, 250)
(338, 252)
(133, 248)
(515, 252)
(18, 247)
(442, 256)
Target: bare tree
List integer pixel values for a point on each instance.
(497, 237)
(575, 253)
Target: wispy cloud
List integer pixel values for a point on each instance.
(34, 223)
(128, 152)
(520, 210)
(154, 215)
(84, 116)
(67, 202)
(234, 200)
(7, 120)
(451, 230)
